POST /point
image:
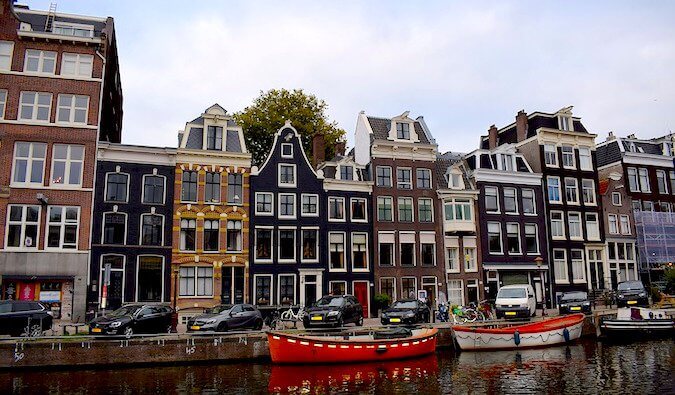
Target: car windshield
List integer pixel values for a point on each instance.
(408, 304)
(511, 293)
(630, 286)
(331, 302)
(218, 309)
(574, 296)
(125, 310)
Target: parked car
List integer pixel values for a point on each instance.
(515, 301)
(133, 318)
(334, 311)
(24, 318)
(574, 302)
(631, 293)
(225, 317)
(406, 311)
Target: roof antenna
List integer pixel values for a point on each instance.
(50, 17)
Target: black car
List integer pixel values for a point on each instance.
(406, 311)
(574, 302)
(24, 318)
(133, 318)
(631, 293)
(224, 317)
(334, 311)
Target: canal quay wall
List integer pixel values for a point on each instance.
(88, 351)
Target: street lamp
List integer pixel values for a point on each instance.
(174, 315)
(539, 260)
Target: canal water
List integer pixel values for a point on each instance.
(646, 367)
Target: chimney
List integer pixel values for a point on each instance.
(340, 148)
(492, 137)
(521, 125)
(631, 136)
(611, 136)
(318, 149)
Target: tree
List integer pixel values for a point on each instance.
(268, 113)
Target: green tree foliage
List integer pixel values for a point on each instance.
(268, 113)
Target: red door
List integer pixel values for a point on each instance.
(361, 294)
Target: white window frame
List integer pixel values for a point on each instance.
(126, 228)
(594, 202)
(536, 238)
(433, 255)
(562, 225)
(431, 181)
(68, 162)
(501, 239)
(295, 288)
(344, 209)
(6, 56)
(412, 209)
(309, 214)
(83, 64)
(316, 244)
(401, 185)
(180, 234)
(365, 209)
(72, 109)
(450, 289)
(217, 229)
(515, 199)
(393, 208)
(619, 200)
(255, 289)
(391, 177)
(414, 282)
(161, 232)
(3, 103)
(589, 157)
(470, 264)
(455, 262)
(643, 172)
(295, 245)
(560, 263)
(627, 222)
(344, 252)
(105, 190)
(574, 163)
(264, 213)
(69, 25)
(286, 145)
(29, 164)
(255, 244)
(394, 285)
(295, 175)
(592, 233)
(154, 174)
(419, 217)
(41, 56)
(635, 178)
(576, 191)
(196, 280)
(520, 243)
(367, 268)
(240, 242)
(496, 195)
(23, 223)
(138, 268)
(581, 266)
(534, 201)
(560, 189)
(581, 225)
(35, 106)
(661, 175)
(548, 152)
(295, 206)
(613, 222)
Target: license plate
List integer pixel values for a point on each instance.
(632, 302)
(195, 327)
(510, 313)
(317, 318)
(96, 330)
(575, 308)
(395, 320)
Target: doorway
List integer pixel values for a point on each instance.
(310, 287)
(114, 265)
(362, 294)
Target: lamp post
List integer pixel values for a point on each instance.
(539, 260)
(174, 315)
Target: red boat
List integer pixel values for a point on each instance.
(310, 349)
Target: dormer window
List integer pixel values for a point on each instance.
(214, 138)
(346, 173)
(455, 181)
(506, 162)
(72, 29)
(565, 122)
(668, 149)
(402, 131)
(631, 146)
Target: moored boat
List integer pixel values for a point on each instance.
(369, 347)
(537, 334)
(639, 321)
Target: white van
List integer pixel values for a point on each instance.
(515, 301)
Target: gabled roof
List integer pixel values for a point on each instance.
(381, 127)
(608, 153)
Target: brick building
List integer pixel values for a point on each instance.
(60, 94)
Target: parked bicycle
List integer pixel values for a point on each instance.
(289, 315)
(485, 311)
(442, 315)
(462, 315)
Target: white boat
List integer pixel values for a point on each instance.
(638, 321)
(538, 334)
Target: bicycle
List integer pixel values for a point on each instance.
(289, 315)
(462, 315)
(273, 320)
(442, 313)
(485, 310)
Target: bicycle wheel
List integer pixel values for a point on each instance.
(287, 315)
(470, 315)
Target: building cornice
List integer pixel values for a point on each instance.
(502, 177)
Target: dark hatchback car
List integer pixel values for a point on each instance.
(631, 293)
(225, 317)
(24, 318)
(334, 311)
(406, 311)
(133, 318)
(574, 302)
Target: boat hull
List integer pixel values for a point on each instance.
(298, 349)
(656, 327)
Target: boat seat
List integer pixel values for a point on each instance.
(393, 333)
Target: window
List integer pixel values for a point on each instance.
(383, 176)
(358, 211)
(310, 244)
(407, 254)
(574, 221)
(234, 236)
(510, 201)
(553, 189)
(3, 102)
(585, 159)
(359, 251)
(592, 226)
(470, 259)
(409, 287)
(71, 29)
(153, 189)
(425, 210)
(557, 225)
(189, 186)
(531, 239)
(287, 289)
(384, 209)
(346, 172)
(616, 198)
(568, 156)
(263, 289)
(662, 182)
(214, 138)
(6, 49)
(551, 155)
(455, 292)
(625, 225)
(565, 123)
(453, 259)
(235, 189)
(648, 206)
(513, 238)
(588, 190)
(560, 265)
(491, 200)
(529, 204)
(388, 287)
(149, 282)
(310, 205)
(428, 254)
(386, 253)
(187, 234)
(286, 150)
(455, 181)
(264, 203)
(578, 266)
(337, 251)
(211, 235)
(286, 175)
(672, 181)
(212, 188)
(286, 205)
(114, 228)
(506, 162)
(78, 65)
(35, 106)
(424, 178)
(187, 281)
(22, 226)
(40, 61)
(72, 108)
(67, 164)
(644, 180)
(151, 229)
(116, 187)
(404, 178)
(571, 191)
(613, 226)
(405, 209)
(494, 237)
(458, 209)
(29, 163)
(263, 244)
(402, 131)
(62, 227)
(336, 209)
(633, 179)
(204, 281)
(287, 244)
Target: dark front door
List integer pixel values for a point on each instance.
(115, 290)
(361, 294)
(310, 294)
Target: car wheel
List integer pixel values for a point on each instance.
(222, 327)
(340, 323)
(128, 332)
(258, 324)
(360, 321)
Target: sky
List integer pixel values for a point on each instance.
(462, 65)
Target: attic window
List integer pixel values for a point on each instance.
(402, 131)
(214, 138)
(668, 149)
(565, 122)
(346, 173)
(72, 29)
(631, 146)
(455, 181)
(286, 150)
